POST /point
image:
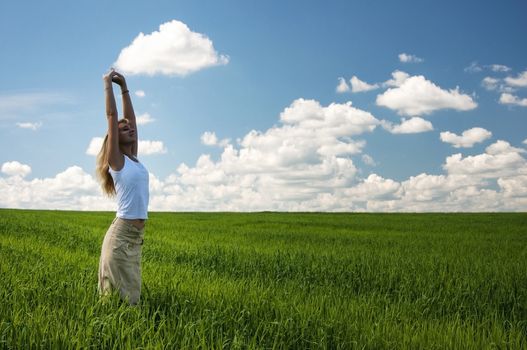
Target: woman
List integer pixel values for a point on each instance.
(121, 174)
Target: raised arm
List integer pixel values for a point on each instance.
(128, 108)
(115, 157)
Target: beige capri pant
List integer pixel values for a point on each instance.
(120, 262)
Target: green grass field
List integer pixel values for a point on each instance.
(270, 281)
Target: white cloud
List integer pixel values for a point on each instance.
(334, 120)
(173, 50)
(72, 189)
(408, 126)
(467, 139)
(234, 184)
(398, 78)
(209, 138)
(342, 87)
(373, 187)
(499, 160)
(499, 68)
(15, 168)
(95, 146)
(514, 186)
(474, 67)
(466, 185)
(509, 99)
(490, 83)
(519, 81)
(417, 96)
(502, 147)
(145, 147)
(304, 163)
(424, 187)
(426, 192)
(407, 58)
(495, 84)
(28, 125)
(140, 93)
(292, 166)
(358, 85)
(368, 160)
(506, 89)
(144, 118)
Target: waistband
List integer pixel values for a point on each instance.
(123, 223)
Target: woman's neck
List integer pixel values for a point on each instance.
(127, 151)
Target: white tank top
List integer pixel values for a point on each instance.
(131, 186)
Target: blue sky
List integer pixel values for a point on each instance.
(465, 70)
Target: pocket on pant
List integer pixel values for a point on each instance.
(127, 248)
(132, 249)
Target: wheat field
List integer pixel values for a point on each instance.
(270, 281)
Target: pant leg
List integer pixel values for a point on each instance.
(120, 262)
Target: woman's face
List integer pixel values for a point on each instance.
(126, 133)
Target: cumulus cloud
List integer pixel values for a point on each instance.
(407, 58)
(334, 120)
(499, 160)
(467, 139)
(295, 165)
(15, 168)
(144, 118)
(173, 50)
(495, 84)
(233, 184)
(418, 96)
(210, 139)
(490, 83)
(145, 147)
(514, 186)
(408, 126)
(510, 99)
(140, 93)
(28, 125)
(283, 168)
(355, 85)
(398, 78)
(519, 81)
(303, 163)
(358, 85)
(72, 189)
(474, 67)
(432, 192)
(95, 146)
(368, 160)
(342, 87)
(373, 187)
(501, 147)
(499, 68)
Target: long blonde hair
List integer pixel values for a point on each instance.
(103, 166)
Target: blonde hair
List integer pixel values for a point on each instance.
(103, 166)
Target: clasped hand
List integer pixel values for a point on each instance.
(116, 77)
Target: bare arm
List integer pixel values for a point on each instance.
(128, 108)
(115, 157)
